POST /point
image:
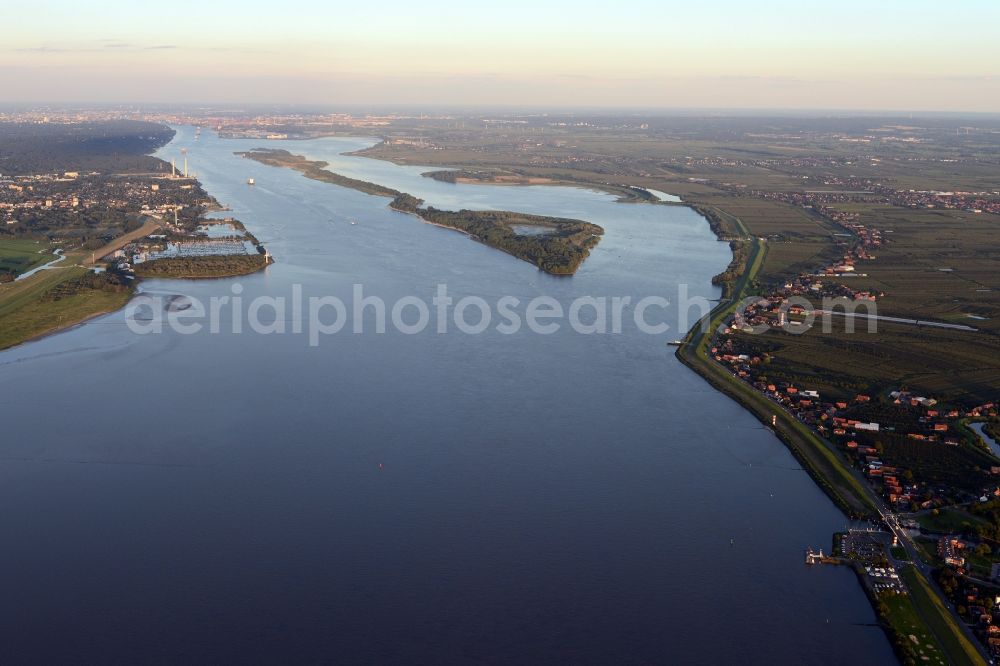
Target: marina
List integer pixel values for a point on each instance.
(203, 248)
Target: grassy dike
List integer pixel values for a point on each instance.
(911, 637)
(26, 315)
(936, 617)
(822, 463)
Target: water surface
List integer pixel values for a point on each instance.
(993, 445)
(407, 499)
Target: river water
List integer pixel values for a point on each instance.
(993, 445)
(524, 498)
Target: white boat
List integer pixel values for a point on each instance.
(250, 181)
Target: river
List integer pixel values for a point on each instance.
(44, 267)
(991, 443)
(391, 498)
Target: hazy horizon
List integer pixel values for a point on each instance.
(770, 55)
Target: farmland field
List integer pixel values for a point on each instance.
(21, 255)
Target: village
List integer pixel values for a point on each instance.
(145, 227)
(58, 203)
(868, 191)
(849, 422)
(937, 473)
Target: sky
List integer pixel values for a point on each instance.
(891, 55)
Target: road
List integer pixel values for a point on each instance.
(899, 320)
(118, 243)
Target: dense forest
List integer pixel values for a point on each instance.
(559, 252)
(202, 267)
(119, 146)
(990, 512)
(111, 281)
(736, 267)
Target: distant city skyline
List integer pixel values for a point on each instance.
(912, 56)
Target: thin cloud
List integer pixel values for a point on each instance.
(981, 78)
(236, 49)
(47, 49)
(105, 45)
